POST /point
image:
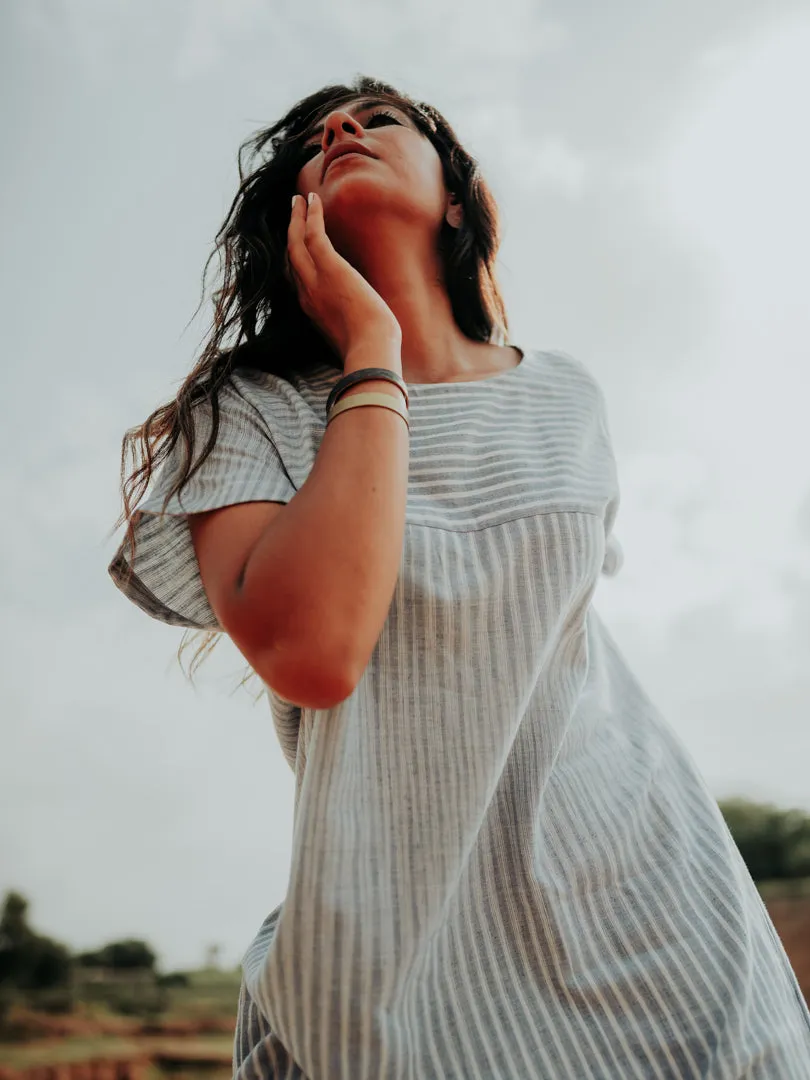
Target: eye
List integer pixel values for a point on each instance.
(382, 113)
(310, 149)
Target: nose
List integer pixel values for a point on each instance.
(339, 120)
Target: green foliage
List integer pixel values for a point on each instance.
(127, 955)
(28, 960)
(174, 978)
(14, 928)
(120, 978)
(774, 843)
(45, 975)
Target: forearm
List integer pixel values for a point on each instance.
(323, 574)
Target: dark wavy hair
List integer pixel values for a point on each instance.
(257, 321)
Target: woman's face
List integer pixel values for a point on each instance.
(400, 174)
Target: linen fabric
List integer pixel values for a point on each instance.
(505, 864)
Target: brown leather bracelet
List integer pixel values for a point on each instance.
(354, 377)
(386, 401)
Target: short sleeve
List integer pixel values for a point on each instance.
(614, 553)
(614, 557)
(244, 465)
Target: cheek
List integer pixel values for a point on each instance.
(422, 174)
(417, 168)
(308, 177)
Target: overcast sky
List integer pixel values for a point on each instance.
(652, 168)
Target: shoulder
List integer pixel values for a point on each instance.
(568, 380)
(278, 397)
(246, 401)
(571, 369)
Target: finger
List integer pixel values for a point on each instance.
(299, 258)
(318, 243)
(288, 271)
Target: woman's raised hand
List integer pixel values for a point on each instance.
(330, 291)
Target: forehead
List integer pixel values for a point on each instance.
(354, 108)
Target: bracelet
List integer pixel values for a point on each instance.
(385, 400)
(343, 384)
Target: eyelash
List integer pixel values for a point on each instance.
(315, 147)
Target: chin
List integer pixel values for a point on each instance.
(355, 194)
(351, 185)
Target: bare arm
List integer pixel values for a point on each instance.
(304, 589)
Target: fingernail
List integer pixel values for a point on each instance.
(310, 197)
(293, 202)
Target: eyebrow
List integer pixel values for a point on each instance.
(358, 108)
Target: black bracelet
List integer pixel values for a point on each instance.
(342, 385)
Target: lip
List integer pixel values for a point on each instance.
(340, 150)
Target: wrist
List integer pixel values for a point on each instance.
(368, 386)
(375, 351)
(370, 377)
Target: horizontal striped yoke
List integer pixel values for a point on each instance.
(505, 865)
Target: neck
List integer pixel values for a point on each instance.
(410, 280)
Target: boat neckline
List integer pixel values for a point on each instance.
(451, 384)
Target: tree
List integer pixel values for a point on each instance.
(774, 843)
(129, 955)
(29, 961)
(14, 928)
(174, 978)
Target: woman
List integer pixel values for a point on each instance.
(504, 864)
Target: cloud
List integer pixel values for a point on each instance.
(653, 196)
(426, 43)
(137, 801)
(736, 695)
(213, 28)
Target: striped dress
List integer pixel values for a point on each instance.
(505, 865)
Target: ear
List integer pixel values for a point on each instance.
(454, 212)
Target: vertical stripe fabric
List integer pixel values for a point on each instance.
(505, 864)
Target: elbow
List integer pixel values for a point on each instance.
(304, 681)
(309, 673)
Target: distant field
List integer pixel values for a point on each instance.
(216, 993)
(77, 1049)
(216, 1048)
(784, 887)
(213, 994)
(190, 1028)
